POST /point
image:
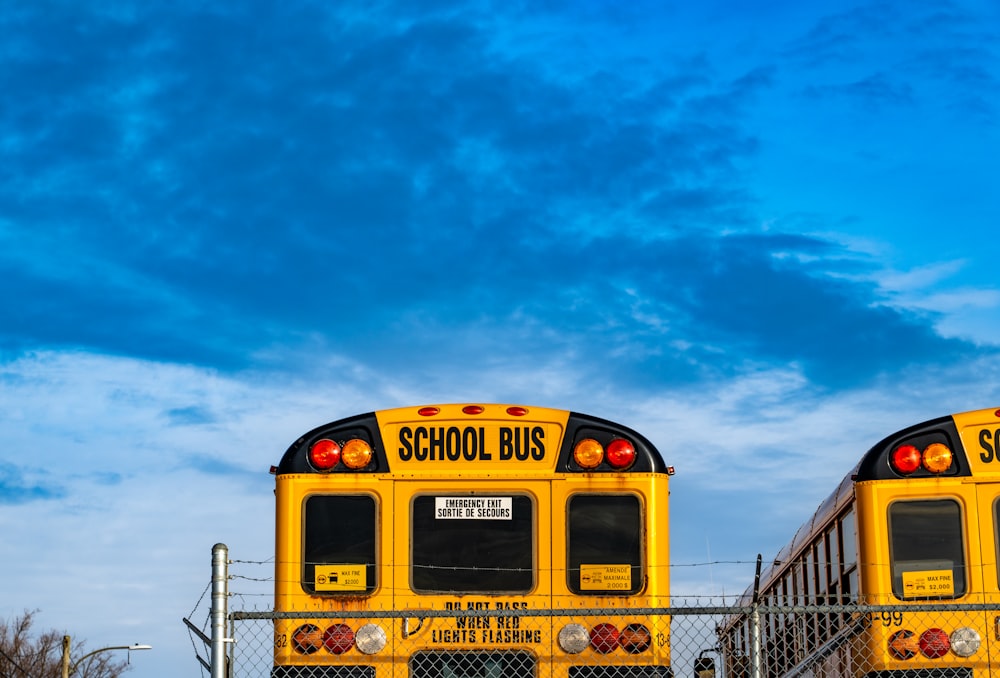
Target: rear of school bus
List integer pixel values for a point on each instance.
(928, 501)
(440, 540)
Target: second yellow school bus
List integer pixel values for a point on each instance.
(503, 541)
(910, 539)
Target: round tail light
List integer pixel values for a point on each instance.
(621, 453)
(903, 645)
(339, 638)
(307, 639)
(324, 454)
(356, 454)
(934, 643)
(573, 638)
(635, 638)
(905, 459)
(588, 453)
(370, 638)
(937, 458)
(604, 638)
(965, 641)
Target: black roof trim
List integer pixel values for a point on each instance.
(364, 426)
(875, 464)
(579, 426)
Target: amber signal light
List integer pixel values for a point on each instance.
(307, 639)
(635, 638)
(937, 458)
(356, 454)
(588, 454)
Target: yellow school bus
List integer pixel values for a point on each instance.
(471, 541)
(909, 538)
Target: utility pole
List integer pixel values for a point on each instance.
(67, 669)
(65, 657)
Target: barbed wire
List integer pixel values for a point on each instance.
(271, 560)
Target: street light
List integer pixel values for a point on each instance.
(66, 670)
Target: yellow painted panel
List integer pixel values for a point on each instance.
(494, 441)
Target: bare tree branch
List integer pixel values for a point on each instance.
(24, 655)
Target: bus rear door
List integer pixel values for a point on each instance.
(477, 546)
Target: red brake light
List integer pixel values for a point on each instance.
(934, 643)
(473, 409)
(339, 638)
(324, 454)
(905, 459)
(428, 411)
(621, 453)
(604, 638)
(517, 411)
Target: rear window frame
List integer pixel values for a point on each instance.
(531, 562)
(307, 570)
(959, 567)
(638, 567)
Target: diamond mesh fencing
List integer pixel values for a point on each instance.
(872, 637)
(616, 642)
(874, 641)
(859, 638)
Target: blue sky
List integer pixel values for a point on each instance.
(762, 233)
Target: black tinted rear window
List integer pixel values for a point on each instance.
(605, 544)
(472, 544)
(928, 553)
(339, 544)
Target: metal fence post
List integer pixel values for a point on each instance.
(220, 609)
(756, 661)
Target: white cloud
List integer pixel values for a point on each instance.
(962, 312)
(919, 278)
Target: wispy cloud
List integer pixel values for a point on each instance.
(18, 487)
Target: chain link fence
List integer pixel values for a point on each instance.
(946, 641)
(860, 638)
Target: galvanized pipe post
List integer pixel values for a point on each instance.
(756, 660)
(220, 609)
